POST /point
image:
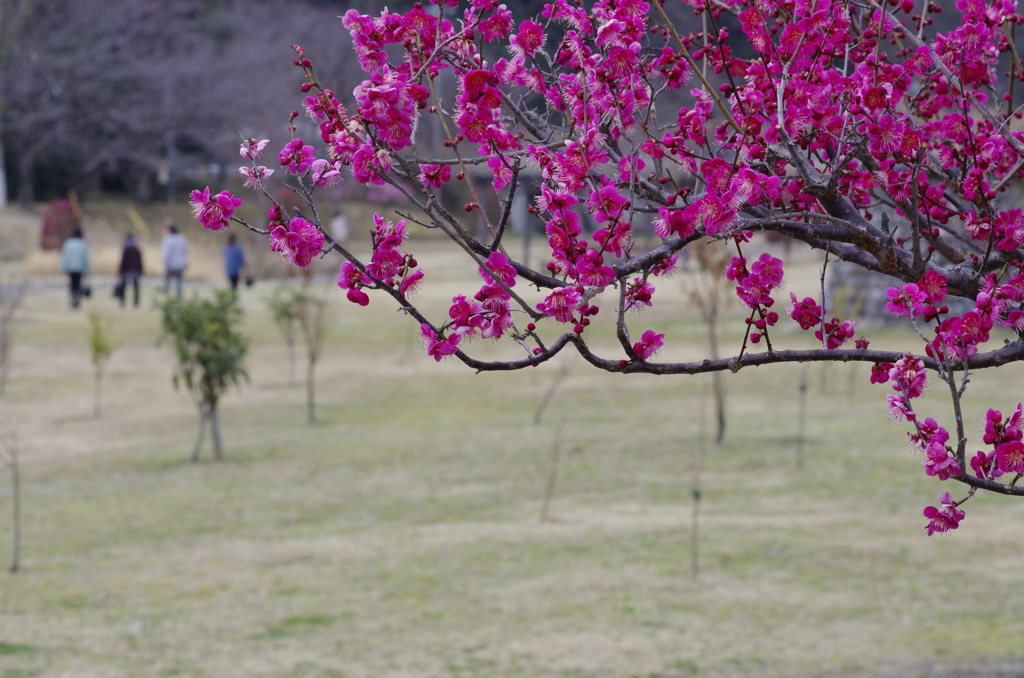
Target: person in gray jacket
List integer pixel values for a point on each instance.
(175, 255)
(74, 262)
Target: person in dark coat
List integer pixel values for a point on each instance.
(130, 270)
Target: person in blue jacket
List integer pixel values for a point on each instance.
(234, 261)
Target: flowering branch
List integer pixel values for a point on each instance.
(889, 159)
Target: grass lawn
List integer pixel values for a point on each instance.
(402, 534)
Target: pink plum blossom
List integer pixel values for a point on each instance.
(435, 175)
(298, 242)
(639, 293)
(325, 173)
(984, 465)
(650, 343)
(939, 459)
(255, 175)
(560, 304)
(899, 408)
(528, 39)
(909, 376)
(502, 173)
(498, 264)
(933, 286)
(411, 283)
(880, 373)
(296, 156)
(908, 300)
(943, 519)
(436, 347)
(353, 280)
(213, 212)
(806, 313)
(1010, 457)
(252, 149)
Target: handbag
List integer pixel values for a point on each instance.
(119, 289)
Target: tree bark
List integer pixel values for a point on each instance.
(801, 432)
(15, 509)
(218, 450)
(310, 392)
(97, 393)
(289, 341)
(13, 15)
(717, 380)
(199, 436)
(3, 178)
(549, 488)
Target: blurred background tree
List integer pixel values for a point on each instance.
(145, 99)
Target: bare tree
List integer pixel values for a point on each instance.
(101, 347)
(13, 15)
(10, 299)
(142, 96)
(293, 307)
(9, 458)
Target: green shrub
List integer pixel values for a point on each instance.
(210, 351)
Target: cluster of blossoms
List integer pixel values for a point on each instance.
(957, 338)
(255, 175)
(754, 287)
(832, 333)
(1007, 455)
(387, 266)
(297, 240)
(492, 303)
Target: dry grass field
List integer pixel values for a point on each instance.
(403, 535)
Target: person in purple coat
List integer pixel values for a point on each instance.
(130, 270)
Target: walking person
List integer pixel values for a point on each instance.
(234, 260)
(130, 271)
(174, 251)
(74, 262)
